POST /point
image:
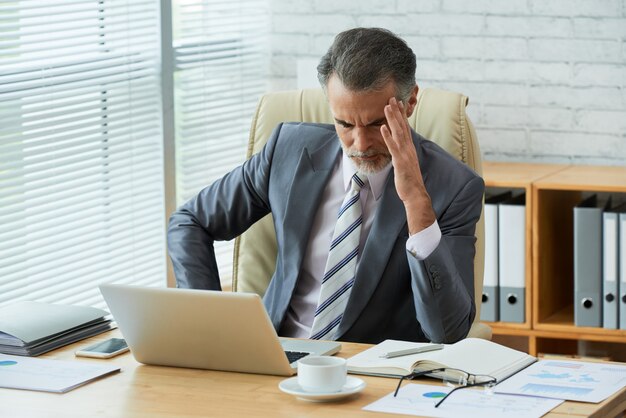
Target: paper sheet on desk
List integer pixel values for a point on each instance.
(18, 372)
(417, 399)
(571, 380)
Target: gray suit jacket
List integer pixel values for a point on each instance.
(394, 294)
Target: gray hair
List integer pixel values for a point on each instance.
(366, 59)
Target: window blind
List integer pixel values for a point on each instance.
(81, 177)
(220, 61)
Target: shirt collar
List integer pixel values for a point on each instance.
(376, 180)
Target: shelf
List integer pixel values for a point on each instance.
(567, 340)
(503, 328)
(522, 326)
(566, 332)
(520, 176)
(563, 321)
(517, 175)
(591, 178)
(553, 241)
(552, 191)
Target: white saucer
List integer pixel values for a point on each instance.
(353, 385)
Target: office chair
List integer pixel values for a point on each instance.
(439, 116)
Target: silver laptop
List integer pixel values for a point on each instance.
(205, 329)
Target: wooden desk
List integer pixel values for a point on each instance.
(151, 391)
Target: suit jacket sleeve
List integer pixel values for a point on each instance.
(221, 211)
(443, 283)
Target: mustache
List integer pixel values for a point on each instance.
(368, 153)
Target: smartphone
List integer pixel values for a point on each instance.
(104, 349)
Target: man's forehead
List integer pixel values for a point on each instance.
(366, 106)
(363, 114)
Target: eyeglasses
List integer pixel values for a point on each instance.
(465, 380)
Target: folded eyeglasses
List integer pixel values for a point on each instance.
(461, 380)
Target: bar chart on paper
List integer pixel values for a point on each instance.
(536, 389)
(574, 381)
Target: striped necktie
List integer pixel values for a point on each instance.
(340, 266)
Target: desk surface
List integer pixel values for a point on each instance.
(152, 391)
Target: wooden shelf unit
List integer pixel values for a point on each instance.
(518, 176)
(552, 190)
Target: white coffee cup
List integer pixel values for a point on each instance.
(322, 374)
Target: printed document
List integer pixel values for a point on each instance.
(417, 399)
(18, 372)
(570, 380)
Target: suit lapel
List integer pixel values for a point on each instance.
(310, 178)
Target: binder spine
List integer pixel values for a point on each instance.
(587, 266)
(622, 270)
(489, 310)
(610, 272)
(512, 254)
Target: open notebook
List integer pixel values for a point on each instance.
(472, 355)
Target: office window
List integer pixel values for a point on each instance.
(81, 177)
(220, 61)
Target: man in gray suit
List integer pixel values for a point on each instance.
(400, 263)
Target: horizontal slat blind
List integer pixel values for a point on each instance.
(221, 57)
(81, 177)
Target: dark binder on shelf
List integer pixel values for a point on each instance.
(512, 258)
(490, 306)
(610, 269)
(622, 269)
(588, 263)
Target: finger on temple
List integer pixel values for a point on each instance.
(388, 138)
(384, 131)
(394, 119)
(403, 122)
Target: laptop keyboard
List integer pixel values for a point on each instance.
(294, 356)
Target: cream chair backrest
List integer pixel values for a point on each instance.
(439, 116)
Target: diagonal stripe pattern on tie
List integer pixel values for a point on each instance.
(340, 266)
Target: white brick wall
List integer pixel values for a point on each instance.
(546, 79)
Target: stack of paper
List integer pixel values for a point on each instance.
(49, 375)
(33, 328)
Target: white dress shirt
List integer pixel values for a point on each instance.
(303, 303)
